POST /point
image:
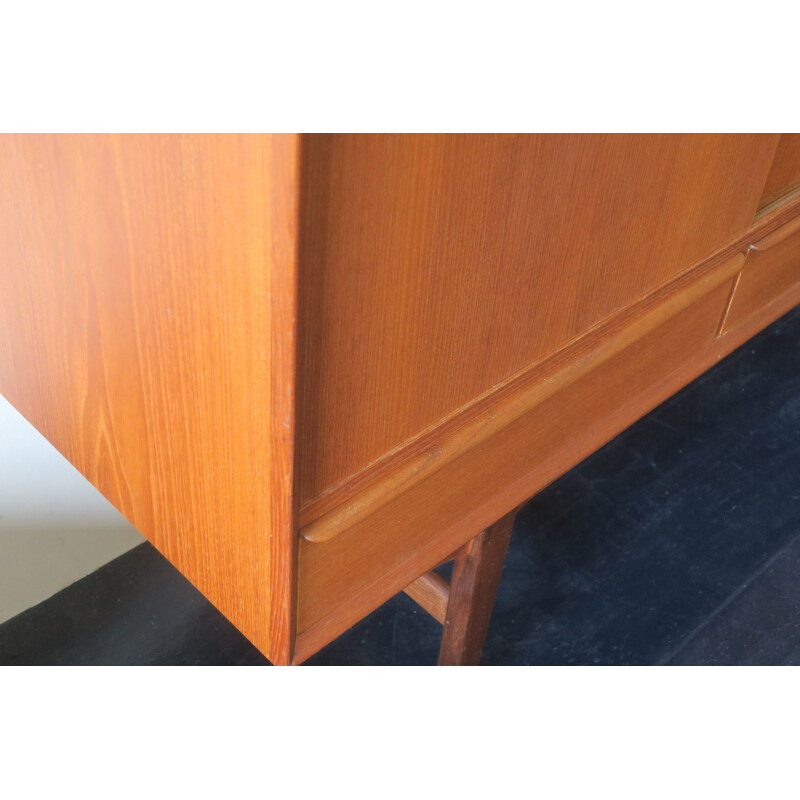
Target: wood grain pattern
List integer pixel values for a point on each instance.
(409, 335)
(476, 578)
(147, 324)
(436, 267)
(342, 579)
(477, 423)
(777, 236)
(432, 592)
(770, 271)
(352, 493)
(393, 543)
(732, 337)
(784, 175)
(370, 596)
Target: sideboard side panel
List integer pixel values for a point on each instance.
(147, 313)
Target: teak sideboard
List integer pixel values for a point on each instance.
(311, 368)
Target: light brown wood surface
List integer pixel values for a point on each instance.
(371, 596)
(475, 424)
(147, 307)
(408, 335)
(476, 578)
(339, 586)
(432, 592)
(777, 236)
(338, 578)
(784, 174)
(435, 267)
(770, 271)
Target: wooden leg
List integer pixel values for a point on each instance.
(476, 576)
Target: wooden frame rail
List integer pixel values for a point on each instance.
(464, 605)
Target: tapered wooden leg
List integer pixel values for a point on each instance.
(476, 576)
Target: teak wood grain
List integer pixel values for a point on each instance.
(435, 267)
(147, 318)
(385, 342)
(475, 424)
(476, 577)
(772, 269)
(432, 592)
(407, 536)
(784, 175)
(658, 364)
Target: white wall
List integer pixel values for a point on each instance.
(55, 527)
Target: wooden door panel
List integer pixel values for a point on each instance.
(784, 174)
(435, 267)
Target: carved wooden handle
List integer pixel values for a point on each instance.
(778, 236)
(513, 404)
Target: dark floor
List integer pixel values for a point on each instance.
(677, 543)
